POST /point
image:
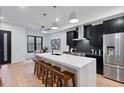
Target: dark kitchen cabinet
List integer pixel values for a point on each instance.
(110, 26)
(99, 62)
(70, 36)
(96, 38)
(120, 24)
(115, 25)
(87, 31)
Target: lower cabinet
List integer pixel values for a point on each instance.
(99, 63)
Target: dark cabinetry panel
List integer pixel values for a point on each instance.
(70, 36)
(115, 25)
(96, 38)
(120, 24)
(87, 31)
(99, 63)
(110, 26)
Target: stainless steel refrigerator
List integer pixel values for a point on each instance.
(113, 52)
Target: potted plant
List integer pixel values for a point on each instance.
(45, 49)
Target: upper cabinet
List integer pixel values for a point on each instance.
(96, 38)
(115, 25)
(87, 31)
(70, 36)
(94, 34)
(120, 24)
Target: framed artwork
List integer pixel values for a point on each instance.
(56, 44)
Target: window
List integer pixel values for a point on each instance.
(34, 43)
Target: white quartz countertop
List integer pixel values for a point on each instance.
(68, 60)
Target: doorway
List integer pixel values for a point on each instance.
(5, 47)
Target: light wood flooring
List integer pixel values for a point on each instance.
(21, 75)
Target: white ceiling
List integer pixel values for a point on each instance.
(31, 16)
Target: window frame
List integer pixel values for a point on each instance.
(35, 43)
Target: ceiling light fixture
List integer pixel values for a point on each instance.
(73, 18)
(1, 17)
(45, 32)
(54, 26)
(57, 19)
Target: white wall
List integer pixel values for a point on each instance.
(18, 41)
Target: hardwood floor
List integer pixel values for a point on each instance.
(21, 75)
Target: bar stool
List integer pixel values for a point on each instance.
(50, 75)
(64, 75)
(45, 71)
(36, 67)
(57, 69)
(40, 74)
(67, 76)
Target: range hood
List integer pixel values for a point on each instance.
(80, 30)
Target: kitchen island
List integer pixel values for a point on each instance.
(84, 68)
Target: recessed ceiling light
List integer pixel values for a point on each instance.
(57, 19)
(1, 17)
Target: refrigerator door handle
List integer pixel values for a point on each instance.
(115, 66)
(118, 58)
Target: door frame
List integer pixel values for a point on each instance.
(8, 47)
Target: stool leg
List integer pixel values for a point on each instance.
(60, 81)
(57, 82)
(39, 72)
(73, 81)
(65, 83)
(47, 77)
(34, 68)
(43, 75)
(51, 79)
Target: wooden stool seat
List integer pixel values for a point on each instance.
(48, 64)
(67, 74)
(56, 68)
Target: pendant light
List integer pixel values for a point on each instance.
(1, 17)
(45, 32)
(55, 24)
(73, 18)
